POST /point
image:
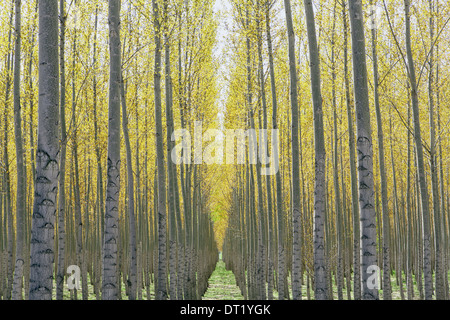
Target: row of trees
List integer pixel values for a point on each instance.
(344, 200)
(366, 185)
(113, 78)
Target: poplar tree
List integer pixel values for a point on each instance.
(111, 232)
(47, 154)
(296, 213)
(320, 272)
(161, 290)
(21, 183)
(364, 149)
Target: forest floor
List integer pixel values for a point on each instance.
(222, 286)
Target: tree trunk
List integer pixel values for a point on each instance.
(384, 192)
(161, 293)
(444, 213)
(279, 206)
(171, 169)
(353, 177)
(110, 291)
(7, 180)
(62, 167)
(420, 161)
(132, 280)
(337, 196)
(21, 183)
(44, 208)
(438, 232)
(365, 152)
(262, 215)
(99, 206)
(77, 196)
(296, 214)
(320, 273)
(409, 237)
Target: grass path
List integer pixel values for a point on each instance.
(222, 285)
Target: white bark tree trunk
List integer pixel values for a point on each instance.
(420, 162)
(46, 184)
(111, 226)
(296, 213)
(365, 152)
(320, 273)
(21, 183)
(161, 292)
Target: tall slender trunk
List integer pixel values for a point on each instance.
(31, 130)
(409, 237)
(161, 293)
(353, 177)
(397, 230)
(110, 290)
(77, 196)
(420, 161)
(62, 167)
(31, 116)
(270, 239)
(7, 183)
(171, 170)
(253, 292)
(21, 183)
(180, 231)
(320, 273)
(365, 152)
(296, 214)
(2, 242)
(132, 277)
(444, 213)
(46, 184)
(384, 192)
(439, 280)
(279, 201)
(337, 193)
(262, 215)
(99, 207)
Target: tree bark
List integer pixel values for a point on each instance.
(296, 214)
(161, 293)
(320, 272)
(364, 148)
(353, 177)
(281, 264)
(262, 215)
(384, 192)
(337, 193)
(99, 206)
(171, 169)
(44, 208)
(420, 161)
(77, 196)
(62, 166)
(7, 180)
(110, 290)
(132, 277)
(438, 232)
(21, 183)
